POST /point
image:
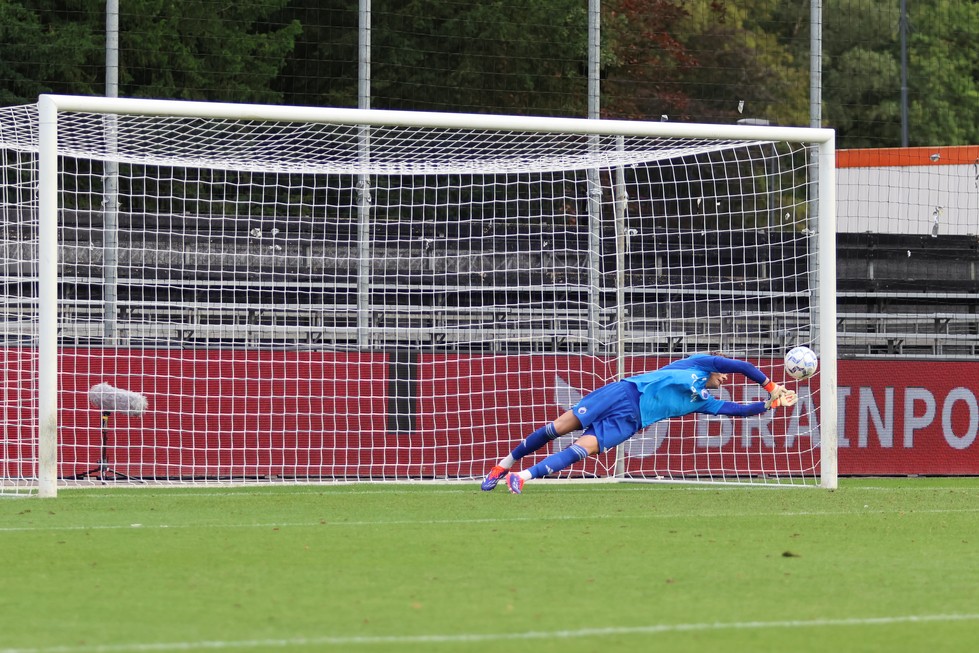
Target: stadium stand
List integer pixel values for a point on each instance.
(908, 295)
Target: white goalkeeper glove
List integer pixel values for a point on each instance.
(784, 398)
(775, 390)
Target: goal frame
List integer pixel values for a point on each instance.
(50, 106)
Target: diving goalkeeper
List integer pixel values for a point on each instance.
(614, 413)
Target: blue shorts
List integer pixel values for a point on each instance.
(610, 413)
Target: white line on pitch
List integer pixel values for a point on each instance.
(346, 490)
(462, 638)
(326, 522)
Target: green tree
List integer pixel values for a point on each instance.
(203, 51)
(180, 49)
(862, 69)
(943, 73)
(488, 56)
(322, 68)
(742, 69)
(40, 53)
(702, 60)
(862, 72)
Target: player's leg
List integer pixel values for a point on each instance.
(563, 425)
(583, 447)
(608, 420)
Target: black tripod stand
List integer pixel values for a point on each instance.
(103, 471)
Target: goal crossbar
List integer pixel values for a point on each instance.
(433, 119)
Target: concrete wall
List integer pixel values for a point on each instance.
(899, 190)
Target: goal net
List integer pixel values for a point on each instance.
(313, 295)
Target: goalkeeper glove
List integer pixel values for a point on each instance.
(785, 398)
(775, 390)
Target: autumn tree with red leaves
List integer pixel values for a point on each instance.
(699, 60)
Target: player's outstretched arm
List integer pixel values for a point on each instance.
(732, 365)
(778, 395)
(735, 409)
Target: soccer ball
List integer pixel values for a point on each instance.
(801, 363)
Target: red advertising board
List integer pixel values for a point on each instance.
(908, 417)
(226, 413)
(235, 413)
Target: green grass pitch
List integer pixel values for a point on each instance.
(878, 565)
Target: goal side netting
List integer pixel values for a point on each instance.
(317, 295)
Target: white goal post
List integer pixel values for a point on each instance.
(318, 295)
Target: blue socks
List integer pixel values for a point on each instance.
(558, 461)
(535, 441)
(553, 463)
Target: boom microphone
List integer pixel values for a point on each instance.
(115, 400)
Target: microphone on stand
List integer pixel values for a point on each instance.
(112, 400)
(116, 400)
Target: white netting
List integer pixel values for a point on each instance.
(290, 147)
(18, 300)
(909, 253)
(295, 305)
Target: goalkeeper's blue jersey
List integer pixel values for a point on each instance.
(680, 388)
